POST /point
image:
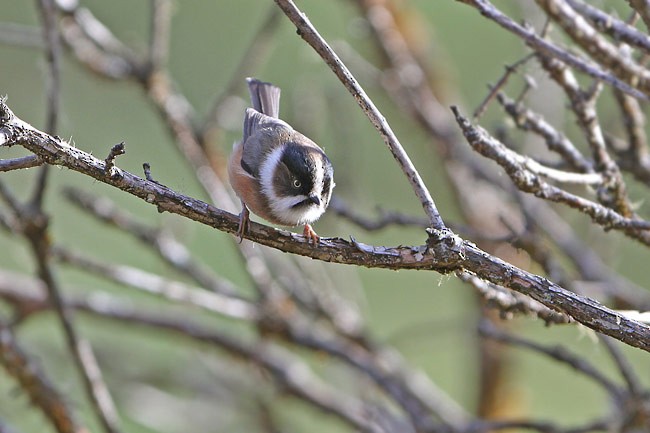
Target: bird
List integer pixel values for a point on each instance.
(278, 173)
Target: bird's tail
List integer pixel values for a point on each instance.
(265, 97)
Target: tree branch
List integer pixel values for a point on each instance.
(309, 33)
(35, 384)
(443, 253)
(542, 46)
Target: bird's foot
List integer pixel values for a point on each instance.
(311, 235)
(244, 222)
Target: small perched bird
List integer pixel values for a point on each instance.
(277, 172)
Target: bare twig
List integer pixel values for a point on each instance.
(169, 249)
(109, 162)
(161, 12)
(36, 233)
(20, 163)
(35, 224)
(613, 192)
(291, 374)
(635, 157)
(95, 45)
(540, 426)
(624, 367)
(385, 218)
(542, 46)
(558, 353)
(619, 30)
(309, 33)
(35, 384)
(643, 9)
(151, 283)
(604, 52)
(510, 303)
(53, 55)
(495, 89)
(527, 181)
(527, 120)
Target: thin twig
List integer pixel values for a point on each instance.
(613, 192)
(510, 303)
(109, 162)
(540, 426)
(28, 161)
(173, 290)
(81, 352)
(589, 265)
(624, 367)
(495, 89)
(608, 55)
(309, 33)
(161, 12)
(618, 29)
(528, 120)
(385, 218)
(288, 370)
(558, 353)
(643, 9)
(53, 87)
(545, 47)
(36, 231)
(35, 383)
(169, 249)
(527, 181)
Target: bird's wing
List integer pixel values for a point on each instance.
(262, 134)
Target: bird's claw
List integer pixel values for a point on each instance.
(311, 235)
(244, 223)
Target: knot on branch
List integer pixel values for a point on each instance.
(447, 248)
(110, 169)
(147, 173)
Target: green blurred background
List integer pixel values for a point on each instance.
(429, 318)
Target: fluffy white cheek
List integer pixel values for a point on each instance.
(283, 208)
(285, 212)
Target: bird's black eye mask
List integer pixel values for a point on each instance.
(300, 167)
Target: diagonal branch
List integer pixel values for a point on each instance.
(34, 382)
(527, 181)
(309, 33)
(547, 48)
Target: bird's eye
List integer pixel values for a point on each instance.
(296, 183)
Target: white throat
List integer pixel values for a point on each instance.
(283, 208)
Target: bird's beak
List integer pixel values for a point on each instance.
(314, 199)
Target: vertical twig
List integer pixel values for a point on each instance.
(53, 88)
(36, 231)
(161, 11)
